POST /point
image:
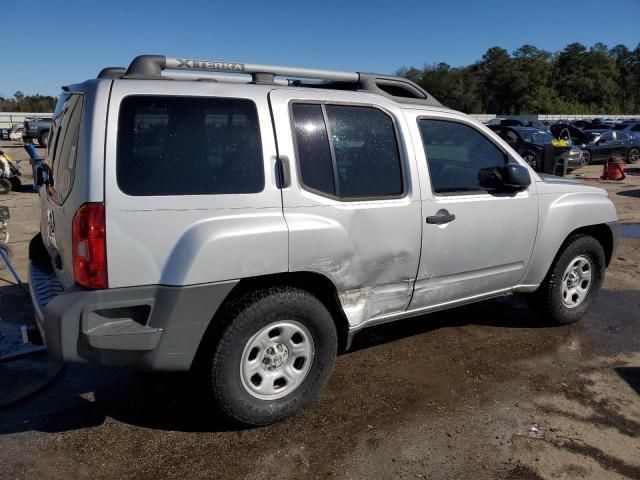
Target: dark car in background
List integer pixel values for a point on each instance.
(632, 128)
(604, 144)
(38, 129)
(531, 142)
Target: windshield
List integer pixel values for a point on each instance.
(620, 126)
(537, 137)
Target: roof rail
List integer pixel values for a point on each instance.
(112, 72)
(399, 89)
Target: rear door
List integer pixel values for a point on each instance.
(604, 147)
(353, 201)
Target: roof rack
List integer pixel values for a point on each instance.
(398, 88)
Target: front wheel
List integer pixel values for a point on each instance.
(586, 157)
(573, 282)
(634, 156)
(272, 355)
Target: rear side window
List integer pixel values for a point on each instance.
(63, 149)
(188, 146)
(349, 152)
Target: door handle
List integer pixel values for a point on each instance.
(442, 216)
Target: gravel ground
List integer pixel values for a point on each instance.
(483, 391)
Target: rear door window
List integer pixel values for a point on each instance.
(188, 146)
(347, 152)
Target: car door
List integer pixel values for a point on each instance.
(351, 203)
(475, 242)
(603, 147)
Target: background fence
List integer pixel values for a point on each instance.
(9, 119)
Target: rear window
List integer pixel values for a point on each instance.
(188, 146)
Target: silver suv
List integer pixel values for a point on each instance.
(248, 226)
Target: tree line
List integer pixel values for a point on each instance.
(577, 80)
(28, 103)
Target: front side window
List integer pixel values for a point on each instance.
(188, 146)
(347, 151)
(455, 155)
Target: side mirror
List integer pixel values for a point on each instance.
(43, 175)
(511, 176)
(515, 176)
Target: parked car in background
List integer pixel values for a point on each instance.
(632, 128)
(4, 134)
(530, 144)
(38, 129)
(604, 144)
(569, 132)
(597, 126)
(496, 124)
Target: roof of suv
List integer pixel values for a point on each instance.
(156, 67)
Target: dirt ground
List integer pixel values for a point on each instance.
(484, 391)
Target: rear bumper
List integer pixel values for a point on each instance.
(150, 327)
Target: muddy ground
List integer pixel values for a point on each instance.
(484, 391)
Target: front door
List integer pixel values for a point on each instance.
(475, 243)
(351, 206)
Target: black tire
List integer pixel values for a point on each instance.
(547, 302)
(586, 157)
(8, 253)
(5, 186)
(43, 139)
(633, 156)
(225, 351)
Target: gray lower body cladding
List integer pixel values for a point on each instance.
(152, 327)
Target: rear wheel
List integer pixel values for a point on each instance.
(5, 186)
(634, 155)
(573, 282)
(271, 356)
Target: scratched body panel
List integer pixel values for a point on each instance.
(369, 249)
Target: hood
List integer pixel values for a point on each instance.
(546, 178)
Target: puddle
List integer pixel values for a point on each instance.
(630, 230)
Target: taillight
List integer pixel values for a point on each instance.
(90, 246)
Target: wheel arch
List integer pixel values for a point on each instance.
(316, 284)
(602, 232)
